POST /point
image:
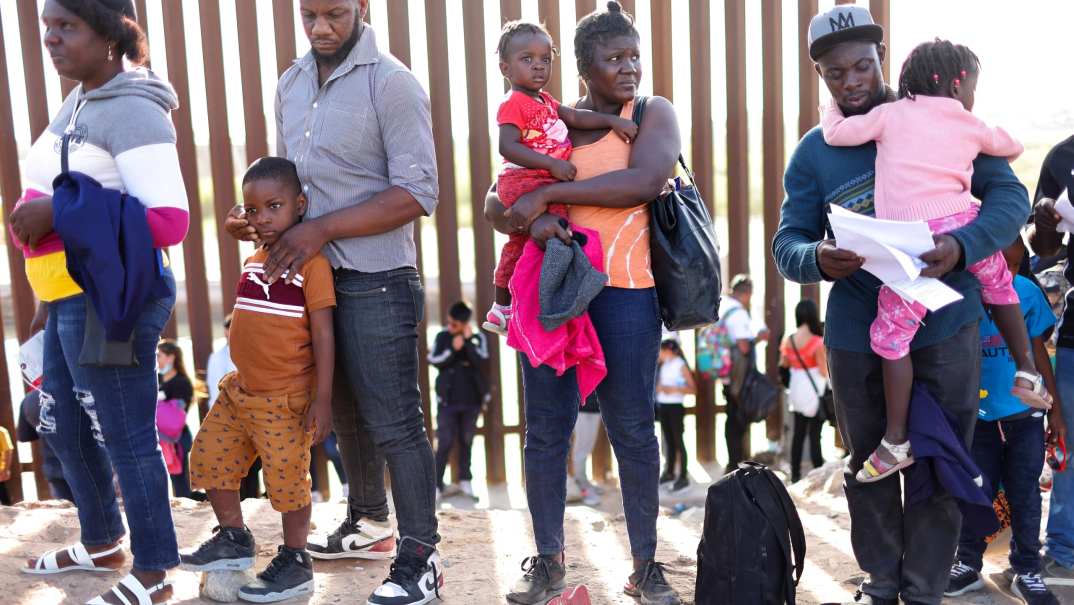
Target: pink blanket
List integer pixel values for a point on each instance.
(572, 345)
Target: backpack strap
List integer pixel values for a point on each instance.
(794, 526)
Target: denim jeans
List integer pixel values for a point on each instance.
(97, 419)
(628, 325)
(1009, 452)
(455, 426)
(1060, 540)
(378, 417)
(905, 552)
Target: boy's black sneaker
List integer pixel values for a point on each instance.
(416, 576)
(289, 574)
(1031, 589)
(667, 477)
(230, 549)
(681, 484)
(962, 579)
(650, 586)
(543, 579)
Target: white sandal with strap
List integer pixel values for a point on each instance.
(1038, 396)
(81, 558)
(143, 595)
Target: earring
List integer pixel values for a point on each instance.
(110, 54)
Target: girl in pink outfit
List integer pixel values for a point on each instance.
(926, 143)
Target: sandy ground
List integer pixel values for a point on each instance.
(482, 550)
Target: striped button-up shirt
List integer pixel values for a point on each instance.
(368, 128)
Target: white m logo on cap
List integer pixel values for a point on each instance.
(842, 21)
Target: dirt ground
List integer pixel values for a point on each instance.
(482, 550)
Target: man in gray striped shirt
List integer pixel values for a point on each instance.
(356, 122)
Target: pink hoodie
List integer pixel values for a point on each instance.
(925, 149)
(572, 345)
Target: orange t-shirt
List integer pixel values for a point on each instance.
(271, 341)
(624, 232)
(807, 351)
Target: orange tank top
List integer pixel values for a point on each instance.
(624, 232)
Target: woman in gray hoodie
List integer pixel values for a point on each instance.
(119, 133)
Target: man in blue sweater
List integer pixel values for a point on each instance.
(907, 553)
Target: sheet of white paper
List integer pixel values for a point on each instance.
(1066, 211)
(912, 237)
(888, 263)
(32, 358)
(932, 293)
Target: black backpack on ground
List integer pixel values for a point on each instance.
(752, 550)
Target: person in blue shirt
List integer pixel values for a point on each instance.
(1008, 445)
(907, 553)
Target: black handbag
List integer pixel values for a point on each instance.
(97, 350)
(685, 255)
(826, 401)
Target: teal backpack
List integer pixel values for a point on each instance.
(714, 348)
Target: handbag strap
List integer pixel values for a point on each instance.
(808, 375)
(639, 111)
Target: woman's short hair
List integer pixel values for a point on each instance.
(115, 23)
(597, 27)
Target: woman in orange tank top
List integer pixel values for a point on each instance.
(610, 194)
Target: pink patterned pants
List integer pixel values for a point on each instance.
(897, 319)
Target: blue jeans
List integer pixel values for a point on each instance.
(1060, 542)
(378, 417)
(97, 419)
(1010, 453)
(628, 325)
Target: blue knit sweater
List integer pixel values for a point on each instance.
(819, 175)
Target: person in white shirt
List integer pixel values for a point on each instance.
(674, 382)
(220, 364)
(736, 319)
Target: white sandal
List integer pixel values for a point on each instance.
(1038, 396)
(83, 561)
(131, 583)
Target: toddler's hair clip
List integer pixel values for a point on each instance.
(962, 73)
(936, 78)
(958, 82)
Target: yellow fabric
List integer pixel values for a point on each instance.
(5, 447)
(48, 277)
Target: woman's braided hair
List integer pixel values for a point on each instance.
(518, 28)
(932, 66)
(595, 28)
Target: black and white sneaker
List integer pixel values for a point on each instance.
(962, 579)
(544, 578)
(1031, 589)
(362, 539)
(416, 576)
(288, 575)
(230, 549)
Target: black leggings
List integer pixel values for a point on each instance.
(802, 425)
(671, 416)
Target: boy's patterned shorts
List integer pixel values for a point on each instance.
(239, 428)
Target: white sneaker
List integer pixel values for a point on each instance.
(366, 539)
(316, 498)
(416, 577)
(467, 489)
(574, 493)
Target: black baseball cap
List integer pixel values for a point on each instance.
(843, 23)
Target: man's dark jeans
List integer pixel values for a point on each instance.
(455, 426)
(628, 326)
(1010, 452)
(905, 552)
(377, 412)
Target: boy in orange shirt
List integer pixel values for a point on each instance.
(277, 405)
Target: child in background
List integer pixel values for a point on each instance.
(674, 382)
(533, 141)
(1008, 446)
(277, 405)
(926, 143)
(460, 356)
